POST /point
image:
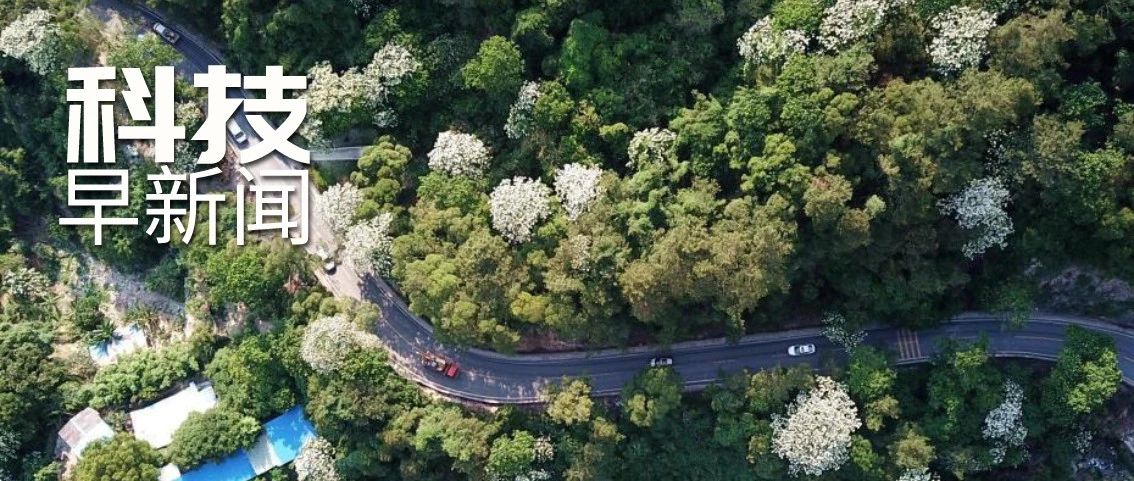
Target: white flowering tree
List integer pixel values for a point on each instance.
(328, 341)
(961, 38)
(764, 44)
(458, 153)
(338, 205)
(848, 21)
(517, 204)
(368, 245)
(520, 114)
(839, 330)
(921, 474)
(1004, 424)
(651, 146)
(34, 39)
(316, 461)
(815, 435)
(391, 64)
(577, 187)
(333, 96)
(980, 209)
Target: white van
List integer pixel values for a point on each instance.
(236, 133)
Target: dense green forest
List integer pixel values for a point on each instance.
(894, 166)
(607, 173)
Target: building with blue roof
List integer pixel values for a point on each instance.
(278, 445)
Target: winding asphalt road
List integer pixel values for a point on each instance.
(494, 378)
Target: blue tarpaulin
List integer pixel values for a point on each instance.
(277, 446)
(287, 434)
(235, 468)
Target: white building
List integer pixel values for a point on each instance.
(156, 423)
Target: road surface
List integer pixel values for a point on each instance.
(495, 378)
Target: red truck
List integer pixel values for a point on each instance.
(440, 364)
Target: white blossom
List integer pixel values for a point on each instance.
(1082, 440)
(763, 43)
(980, 209)
(337, 206)
(184, 158)
(392, 64)
(577, 187)
(960, 41)
(9, 445)
(368, 245)
(312, 130)
(651, 146)
(816, 432)
(458, 153)
(362, 7)
(339, 92)
(848, 21)
(34, 39)
(579, 252)
(534, 475)
(517, 204)
(921, 474)
(544, 449)
(838, 330)
(1004, 424)
(520, 114)
(316, 461)
(360, 89)
(25, 283)
(329, 340)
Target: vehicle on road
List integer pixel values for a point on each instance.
(440, 364)
(661, 362)
(165, 32)
(237, 133)
(801, 350)
(326, 259)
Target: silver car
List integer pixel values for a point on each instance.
(164, 31)
(661, 362)
(801, 350)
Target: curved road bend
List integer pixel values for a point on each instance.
(495, 378)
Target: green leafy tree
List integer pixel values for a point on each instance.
(379, 174)
(498, 68)
(250, 378)
(651, 396)
(512, 456)
(210, 436)
(250, 275)
(570, 402)
(30, 378)
(465, 439)
(911, 450)
(1085, 377)
(143, 52)
(144, 375)
(121, 458)
(88, 319)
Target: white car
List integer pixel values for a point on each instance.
(661, 362)
(237, 133)
(164, 31)
(326, 259)
(801, 350)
